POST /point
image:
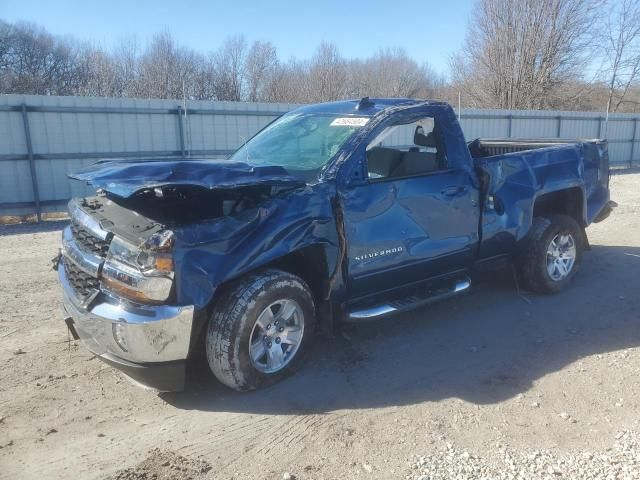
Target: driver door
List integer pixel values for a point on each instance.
(415, 218)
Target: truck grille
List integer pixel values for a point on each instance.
(89, 242)
(83, 283)
(85, 246)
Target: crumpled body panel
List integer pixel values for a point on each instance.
(518, 179)
(125, 178)
(210, 253)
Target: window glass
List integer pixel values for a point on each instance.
(406, 150)
(401, 136)
(301, 143)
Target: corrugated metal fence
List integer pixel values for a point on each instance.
(43, 138)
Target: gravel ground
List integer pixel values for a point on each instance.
(495, 384)
(622, 461)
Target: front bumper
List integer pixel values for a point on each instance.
(148, 343)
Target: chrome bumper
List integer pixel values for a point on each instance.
(126, 335)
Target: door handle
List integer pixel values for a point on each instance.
(453, 190)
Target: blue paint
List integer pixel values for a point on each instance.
(210, 253)
(518, 179)
(125, 178)
(373, 235)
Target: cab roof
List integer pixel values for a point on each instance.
(365, 107)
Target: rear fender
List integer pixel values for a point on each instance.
(515, 182)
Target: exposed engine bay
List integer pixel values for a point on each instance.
(178, 205)
(151, 210)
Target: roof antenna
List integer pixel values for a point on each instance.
(364, 103)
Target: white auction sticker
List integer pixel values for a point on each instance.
(350, 122)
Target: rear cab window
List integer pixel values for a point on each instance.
(406, 150)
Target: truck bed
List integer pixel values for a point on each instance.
(519, 172)
(489, 147)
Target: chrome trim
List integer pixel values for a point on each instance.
(150, 333)
(373, 312)
(85, 261)
(69, 292)
(79, 216)
(462, 285)
(388, 309)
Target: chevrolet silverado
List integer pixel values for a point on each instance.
(344, 211)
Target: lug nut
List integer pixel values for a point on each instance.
(277, 339)
(281, 329)
(269, 344)
(269, 327)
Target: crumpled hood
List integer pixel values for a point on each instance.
(125, 178)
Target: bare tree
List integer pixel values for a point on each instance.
(229, 66)
(392, 73)
(97, 73)
(203, 84)
(622, 50)
(34, 61)
(166, 69)
(126, 57)
(261, 64)
(327, 75)
(289, 83)
(6, 41)
(518, 54)
(517, 51)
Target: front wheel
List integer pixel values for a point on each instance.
(260, 330)
(551, 254)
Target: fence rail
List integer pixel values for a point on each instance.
(44, 138)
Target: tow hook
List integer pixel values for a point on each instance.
(56, 261)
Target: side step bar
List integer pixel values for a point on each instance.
(409, 303)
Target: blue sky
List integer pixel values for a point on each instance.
(429, 30)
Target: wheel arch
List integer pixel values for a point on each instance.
(568, 201)
(310, 263)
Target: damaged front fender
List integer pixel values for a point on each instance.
(279, 214)
(210, 253)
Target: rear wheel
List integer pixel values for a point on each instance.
(551, 254)
(260, 330)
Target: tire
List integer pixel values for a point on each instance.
(533, 258)
(233, 325)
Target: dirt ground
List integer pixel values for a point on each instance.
(492, 382)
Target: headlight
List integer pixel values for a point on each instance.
(138, 273)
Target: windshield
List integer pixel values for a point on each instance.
(302, 143)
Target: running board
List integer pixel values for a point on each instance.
(408, 303)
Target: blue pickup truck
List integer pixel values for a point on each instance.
(344, 211)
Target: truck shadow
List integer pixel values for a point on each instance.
(27, 228)
(485, 347)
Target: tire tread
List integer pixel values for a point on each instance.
(223, 333)
(531, 256)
